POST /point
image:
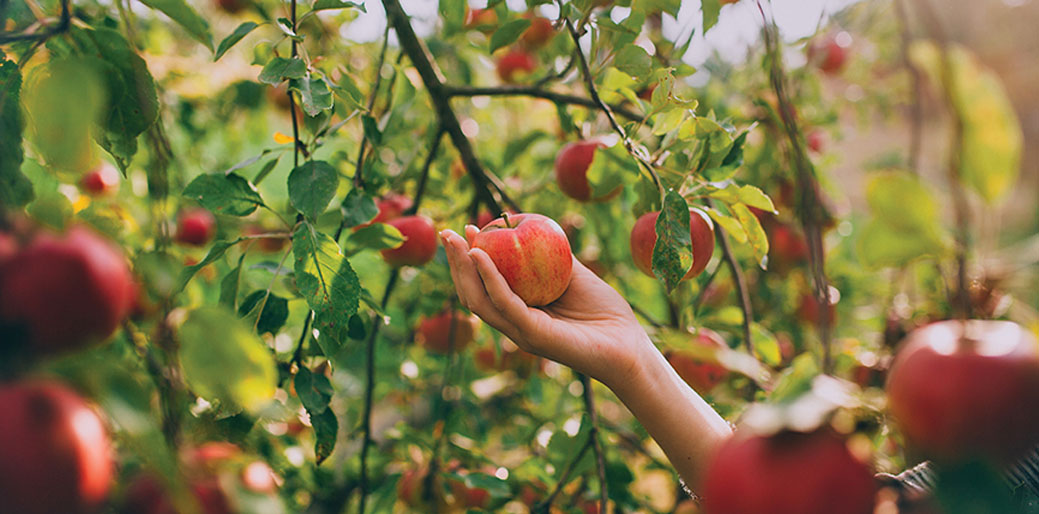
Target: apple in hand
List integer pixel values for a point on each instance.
(64, 292)
(55, 454)
(515, 65)
(572, 163)
(420, 243)
(102, 180)
(531, 252)
(195, 227)
(962, 390)
(702, 374)
(435, 333)
(644, 237)
(787, 473)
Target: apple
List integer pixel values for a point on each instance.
(816, 141)
(434, 333)
(55, 454)
(572, 163)
(195, 227)
(483, 20)
(787, 473)
(644, 238)
(468, 497)
(8, 246)
(787, 248)
(515, 65)
(808, 310)
(64, 292)
(701, 374)
(962, 390)
(420, 243)
(532, 253)
(100, 181)
(269, 244)
(830, 52)
(391, 206)
(539, 33)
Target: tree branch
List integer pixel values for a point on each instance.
(536, 92)
(593, 435)
(544, 506)
(358, 171)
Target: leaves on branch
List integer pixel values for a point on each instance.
(233, 38)
(224, 194)
(15, 188)
(315, 393)
(673, 251)
(326, 280)
(311, 186)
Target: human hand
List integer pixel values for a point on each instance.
(591, 328)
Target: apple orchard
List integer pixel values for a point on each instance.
(224, 286)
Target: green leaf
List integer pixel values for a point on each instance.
(358, 208)
(322, 5)
(673, 251)
(315, 393)
(729, 224)
(224, 360)
(328, 283)
(881, 245)
(378, 236)
(312, 186)
(710, 10)
(224, 194)
(180, 12)
(215, 252)
(233, 38)
(229, 285)
(64, 99)
(325, 428)
(611, 168)
(265, 170)
(667, 121)
(371, 129)
(754, 197)
(453, 14)
(315, 95)
(766, 346)
(273, 316)
(347, 90)
(902, 201)
(633, 60)
(15, 188)
(508, 33)
(281, 68)
(755, 234)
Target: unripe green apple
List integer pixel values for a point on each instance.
(420, 244)
(644, 237)
(532, 253)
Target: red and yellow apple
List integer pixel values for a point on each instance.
(420, 242)
(701, 372)
(55, 454)
(195, 227)
(572, 163)
(434, 333)
(539, 33)
(531, 252)
(644, 238)
(515, 65)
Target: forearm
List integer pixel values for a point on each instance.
(679, 420)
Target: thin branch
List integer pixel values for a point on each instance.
(593, 435)
(491, 194)
(544, 506)
(645, 315)
(810, 208)
(358, 171)
(537, 92)
(916, 118)
(741, 283)
(420, 190)
(297, 356)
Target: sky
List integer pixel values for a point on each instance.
(738, 25)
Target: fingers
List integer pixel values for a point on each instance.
(469, 285)
(470, 232)
(499, 291)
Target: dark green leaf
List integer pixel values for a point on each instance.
(233, 38)
(314, 390)
(508, 33)
(229, 286)
(265, 170)
(281, 68)
(326, 427)
(348, 91)
(215, 252)
(371, 129)
(224, 194)
(180, 12)
(273, 316)
(453, 14)
(673, 252)
(15, 188)
(357, 330)
(633, 60)
(312, 186)
(358, 208)
(328, 283)
(315, 95)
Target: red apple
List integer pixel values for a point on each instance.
(468, 497)
(644, 237)
(515, 65)
(195, 227)
(435, 333)
(101, 180)
(269, 244)
(483, 20)
(539, 33)
(420, 244)
(8, 246)
(532, 253)
(816, 140)
(787, 248)
(64, 292)
(962, 390)
(55, 455)
(391, 206)
(572, 163)
(702, 374)
(830, 52)
(787, 473)
(808, 310)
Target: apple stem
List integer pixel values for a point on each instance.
(505, 216)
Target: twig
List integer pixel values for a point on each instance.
(593, 435)
(741, 283)
(358, 171)
(543, 507)
(62, 26)
(492, 195)
(810, 207)
(163, 382)
(420, 190)
(537, 92)
(645, 315)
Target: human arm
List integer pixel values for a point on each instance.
(593, 330)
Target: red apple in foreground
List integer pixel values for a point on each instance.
(101, 180)
(572, 163)
(962, 390)
(195, 227)
(532, 253)
(700, 372)
(644, 237)
(787, 473)
(55, 455)
(515, 65)
(64, 292)
(435, 333)
(8, 246)
(420, 243)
